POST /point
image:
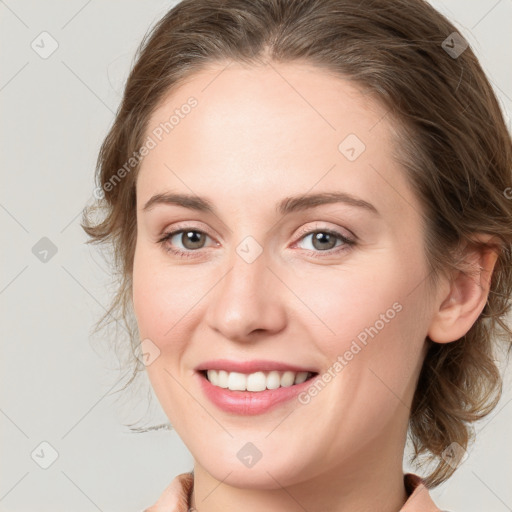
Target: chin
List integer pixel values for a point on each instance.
(272, 472)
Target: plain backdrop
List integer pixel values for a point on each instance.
(65, 445)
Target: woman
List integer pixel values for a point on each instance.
(251, 133)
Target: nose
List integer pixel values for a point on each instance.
(250, 298)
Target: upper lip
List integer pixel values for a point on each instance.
(256, 365)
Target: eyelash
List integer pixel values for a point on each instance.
(347, 242)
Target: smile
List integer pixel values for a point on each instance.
(248, 394)
(257, 381)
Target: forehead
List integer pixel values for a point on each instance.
(271, 131)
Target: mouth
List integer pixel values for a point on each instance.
(254, 393)
(257, 381)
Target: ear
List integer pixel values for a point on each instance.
(460, 302)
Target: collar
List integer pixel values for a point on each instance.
(176, 497)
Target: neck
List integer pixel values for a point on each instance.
(371, 480)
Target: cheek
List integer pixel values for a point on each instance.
(165, 298)
(373, 357)
(152, 298)
(345, 302)
(371, 326)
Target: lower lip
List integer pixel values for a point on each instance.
(250, 402)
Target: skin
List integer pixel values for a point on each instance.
(258, 135)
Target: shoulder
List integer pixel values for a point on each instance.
(176, 495)
(419, 497)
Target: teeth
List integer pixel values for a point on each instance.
(258, 381)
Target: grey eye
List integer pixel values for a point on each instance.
(191, 238)
(322, 240)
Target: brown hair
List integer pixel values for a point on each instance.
(453, 143)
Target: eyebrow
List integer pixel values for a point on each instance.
(285, 206)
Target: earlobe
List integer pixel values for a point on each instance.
(459, 308)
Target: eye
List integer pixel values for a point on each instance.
(326, 241)
(191, 239)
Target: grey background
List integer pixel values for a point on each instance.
(57, 380)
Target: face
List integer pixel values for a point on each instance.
(333, 285)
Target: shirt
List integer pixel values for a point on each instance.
(176, 497)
